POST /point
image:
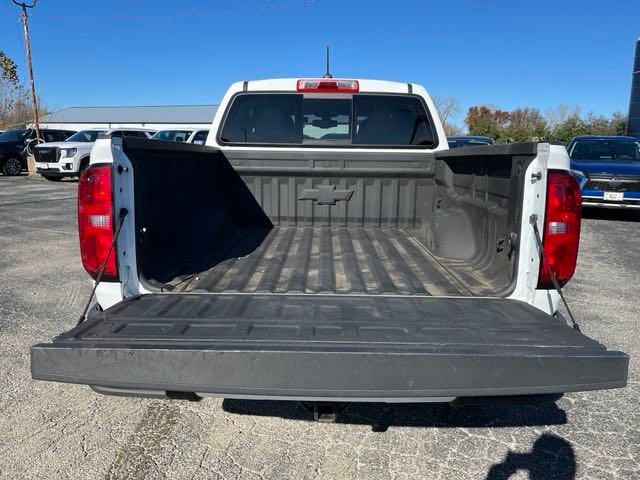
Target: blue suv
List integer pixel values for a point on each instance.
(608, 169)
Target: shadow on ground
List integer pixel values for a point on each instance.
(381, 416)
(38, 178)
(550, 458)
(613, 214)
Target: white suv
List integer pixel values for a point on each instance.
(199, 136)
(57, 160)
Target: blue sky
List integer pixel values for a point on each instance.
(505, 53)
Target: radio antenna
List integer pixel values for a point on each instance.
(327, 75)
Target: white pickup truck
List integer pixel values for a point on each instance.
(326, 246)
(56, 160)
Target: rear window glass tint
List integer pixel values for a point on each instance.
(131, 133)
(605, 150)
(267, 118)
(391, 120)
(360, 120)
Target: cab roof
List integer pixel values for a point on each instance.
(289, 84)
(619, 138)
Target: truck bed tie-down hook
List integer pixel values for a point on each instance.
(533, 220)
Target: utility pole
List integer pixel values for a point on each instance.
(34, 99)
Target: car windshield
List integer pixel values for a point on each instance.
(357, 120)
(172, 135)
(85, 136)
(604, 150)
(14, 135)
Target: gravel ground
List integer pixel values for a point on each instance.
(50, 430)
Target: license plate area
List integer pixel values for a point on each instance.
(614, 196)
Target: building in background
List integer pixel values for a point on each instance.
(157, 117)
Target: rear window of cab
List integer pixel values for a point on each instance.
(359, 120)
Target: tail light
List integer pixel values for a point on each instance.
(324, 85)
(96, 221)
(561, 234)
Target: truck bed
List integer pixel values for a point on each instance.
(330, 260)
(406, 223)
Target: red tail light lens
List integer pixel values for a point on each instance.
(325, 85)
(561, 234)
(95, 221)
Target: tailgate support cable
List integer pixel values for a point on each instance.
(534, 223)
(121, 217)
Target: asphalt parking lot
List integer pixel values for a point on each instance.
(50, 430)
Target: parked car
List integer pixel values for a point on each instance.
(16, 144)
(199, 137)
(469, 141)
(322, 255)
(57, 160)
(172, 135)
(608, 169)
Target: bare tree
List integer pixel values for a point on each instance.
(15, 106)
(448, 107)
(12, 94)
(452, 130)
(560, 114)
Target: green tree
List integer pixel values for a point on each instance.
(13, 96)
(525, 125)
(8, 70)
(528, 124)
(571, 127)
(487, 121)
(619, 123)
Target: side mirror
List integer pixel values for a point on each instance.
(198, 142)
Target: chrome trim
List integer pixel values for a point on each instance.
(610, 205)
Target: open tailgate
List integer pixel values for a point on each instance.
(339, 347)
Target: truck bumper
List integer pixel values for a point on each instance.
(595, 202)
(54, 172)
(595, 198)
(328, 348)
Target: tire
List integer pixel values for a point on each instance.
(84, 163)
(52, 179)
(12, 167)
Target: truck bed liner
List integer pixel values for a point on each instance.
(353, 347)
(332, 260)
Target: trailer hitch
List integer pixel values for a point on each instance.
(325, 412)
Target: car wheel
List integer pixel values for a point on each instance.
(84, 163)
(12, 167)
(53, 179)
